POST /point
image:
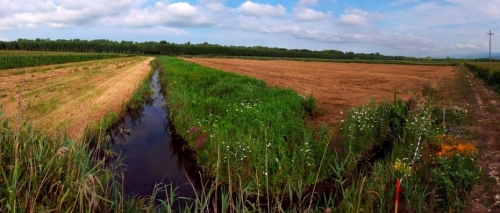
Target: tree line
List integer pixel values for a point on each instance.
(167, 48)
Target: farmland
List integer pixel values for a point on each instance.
(251, 136)
(490, 74)
(21, 59)
(338, 86)
(70, 96)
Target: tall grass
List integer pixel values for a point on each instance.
(40, 174)
(490, 74)
(251, 135)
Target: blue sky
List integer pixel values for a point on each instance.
(419, 28)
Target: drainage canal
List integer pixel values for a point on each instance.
(151, 152)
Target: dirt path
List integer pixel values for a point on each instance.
(70, 96)
(485, 197)
(337, 86)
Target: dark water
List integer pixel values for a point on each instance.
(150, 152)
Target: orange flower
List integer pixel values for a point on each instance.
(450, 146)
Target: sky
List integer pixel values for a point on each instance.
(420, 28)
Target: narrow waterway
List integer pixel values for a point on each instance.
(149, 152)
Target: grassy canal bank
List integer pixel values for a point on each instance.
(255, 140)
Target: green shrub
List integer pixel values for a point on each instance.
(454, 176)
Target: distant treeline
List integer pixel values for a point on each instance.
(166, 48)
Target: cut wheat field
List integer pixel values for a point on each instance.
(70, 96)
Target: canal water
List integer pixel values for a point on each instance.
(151, 152)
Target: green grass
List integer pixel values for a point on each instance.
(43, 107)
(29, 60)
(27, 53)
(255, 140)
(246, 134)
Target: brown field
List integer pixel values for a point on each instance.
(70, 96)
(338, 86)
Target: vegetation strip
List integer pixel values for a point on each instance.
(489, 73)
(254, 139)
(246, 133)
(19, 61)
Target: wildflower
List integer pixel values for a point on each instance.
(202, 139)
(401, 167)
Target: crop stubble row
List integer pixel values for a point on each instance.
(70, 96)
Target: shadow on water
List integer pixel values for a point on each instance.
(152, 153)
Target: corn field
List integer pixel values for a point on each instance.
(491, 75)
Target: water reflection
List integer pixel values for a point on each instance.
(151, 153)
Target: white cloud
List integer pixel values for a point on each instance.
(155, 31)
(7, 24)
(357, 17)
(261, 10)
(60, 14)
(307, 2)
(4, 39)
(175, 14)
(405, 42)
(485, 8)
(466, 46)
(307, 14)
(213, 5)
(353, 20)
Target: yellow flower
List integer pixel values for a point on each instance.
(401, 168)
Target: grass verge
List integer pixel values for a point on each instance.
(247, 134)
(254, 139)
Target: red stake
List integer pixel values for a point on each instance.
(398, 185)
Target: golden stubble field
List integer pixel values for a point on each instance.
(70, 96)
(338, 86)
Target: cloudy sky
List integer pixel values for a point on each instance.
(394, 27)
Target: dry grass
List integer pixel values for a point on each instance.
(70, 96)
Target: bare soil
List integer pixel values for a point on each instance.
(338, 86)
(70, 96)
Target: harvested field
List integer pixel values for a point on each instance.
(70, 96)
(338, 86)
